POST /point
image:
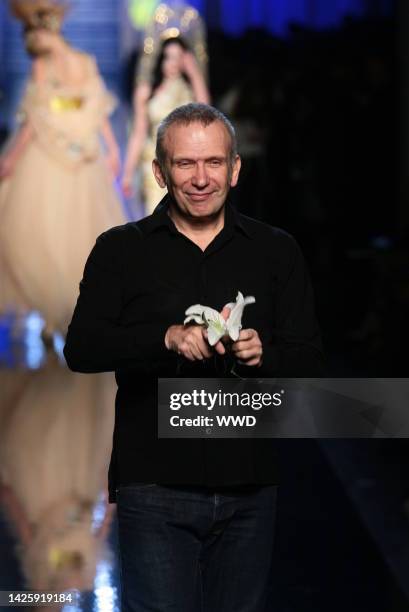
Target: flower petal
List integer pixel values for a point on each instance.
(216, 325)
(196, 309)
(214, 333)
(250, 299)
(194, 317)
(212, 315)
(233, 323)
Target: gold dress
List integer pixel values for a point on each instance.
(59, 198)
(175, 93)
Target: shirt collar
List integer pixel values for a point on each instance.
(160, 218)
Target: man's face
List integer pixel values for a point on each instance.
(197, 168)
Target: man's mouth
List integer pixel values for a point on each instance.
(199, 197)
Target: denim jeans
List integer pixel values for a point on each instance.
(192, 549)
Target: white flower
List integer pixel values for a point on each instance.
(233, 323)
(217, 327)
(203, 315)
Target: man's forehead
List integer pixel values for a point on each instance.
(196, 135)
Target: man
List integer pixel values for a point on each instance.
(195, 515)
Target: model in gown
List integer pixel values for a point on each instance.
(56, 190)
(152, 103)
(55, 441)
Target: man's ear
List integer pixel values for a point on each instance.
(236, 171)
(158, 174)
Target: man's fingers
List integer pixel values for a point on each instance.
(249, 354)
(250, 362)
(194, 346)
(186, 351)
(189, 349)
(247, 334)
(207, 351)
(219, 348)
(248, 339)
(244, 345)
(248, 349)
(200, 341)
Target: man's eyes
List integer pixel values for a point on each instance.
(185, 163)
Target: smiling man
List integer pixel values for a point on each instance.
(195, 515)
(198, 164)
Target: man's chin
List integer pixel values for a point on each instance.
(198, 210)
(203, 212)
(203, 207)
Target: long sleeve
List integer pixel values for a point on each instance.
(97, 341)
(295, 349)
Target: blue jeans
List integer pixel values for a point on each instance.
(191, 549)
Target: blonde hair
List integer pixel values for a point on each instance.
(39, 14)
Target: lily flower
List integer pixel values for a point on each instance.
(233, 323)
(217, 326)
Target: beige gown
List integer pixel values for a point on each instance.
(175, 93)
(55, 441)
(58, 200)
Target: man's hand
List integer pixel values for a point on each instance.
(248, 348)
(191, 342)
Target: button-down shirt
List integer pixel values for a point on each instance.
(139, 280)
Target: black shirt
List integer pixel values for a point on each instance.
(139, 279)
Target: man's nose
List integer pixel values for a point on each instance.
(200, 178)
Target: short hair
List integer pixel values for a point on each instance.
(194, 112)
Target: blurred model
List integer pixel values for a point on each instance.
(56, 191)
(178, 80)
(172, 19)
(55, 438)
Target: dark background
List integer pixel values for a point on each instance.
(322, 91)
(323, 108)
